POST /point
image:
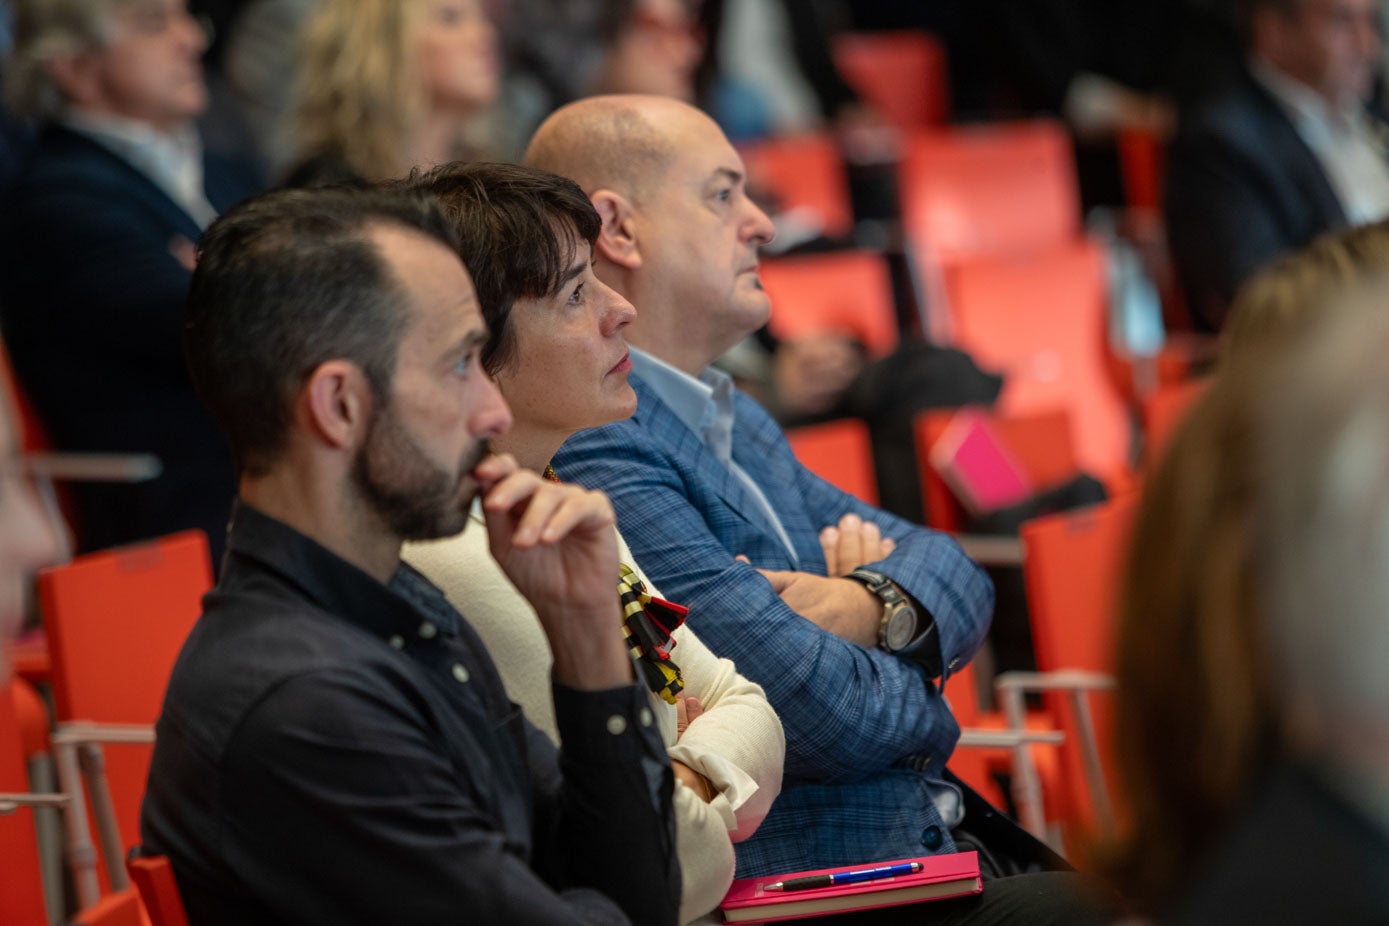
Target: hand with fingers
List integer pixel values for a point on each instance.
(687, 710)
(852, 543)
(841, 606)
(557, 545)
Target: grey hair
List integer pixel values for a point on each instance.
(45, 30)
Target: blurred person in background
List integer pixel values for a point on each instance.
(561, 50)
(1287, 150)
(98, 235)
(29, 532)
(1291, 294)
(385, 86)
(1311, 843)
(1191, 744)
(1191, 593)
(15, 134)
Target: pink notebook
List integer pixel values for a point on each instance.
(976, 465)
(941, 876)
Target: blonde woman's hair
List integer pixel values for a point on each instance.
(359, 93)
(48, 29)
(1284, 299)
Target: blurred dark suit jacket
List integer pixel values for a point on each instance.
(92, 302)
(1242, 189)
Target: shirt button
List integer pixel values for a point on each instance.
(397, 641)
(931, 837)
(428, 630)
(460, 673)
(617, 724)
(646, 717)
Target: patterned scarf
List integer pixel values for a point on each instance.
(647, 625)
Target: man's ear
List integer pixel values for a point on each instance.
(335, 403)
(77, 76)
(617, 242)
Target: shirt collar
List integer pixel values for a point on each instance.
(401, 607)
(1305, 106)
(172, 161)
(704, 403)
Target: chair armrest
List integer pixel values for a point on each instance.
(77, 753)
(972, 737)
(1078, 684)
(94, 467)
(990, 549)
(83, 732)
(1056, 680)
(9, 803)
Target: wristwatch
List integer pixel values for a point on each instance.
(897, 630)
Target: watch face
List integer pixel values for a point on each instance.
(901, 628)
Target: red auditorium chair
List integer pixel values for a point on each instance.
(1142, 162)
(803, 171)
(119, 909)
(1073, 565)
(902, 74)
(154, 879)
(1041, 320)
(116, 621)
(839, 452)
(22, 901)
(843, 292)
(1002, 188)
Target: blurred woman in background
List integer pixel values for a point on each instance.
(388, 85)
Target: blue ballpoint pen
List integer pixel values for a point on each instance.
(845, 877)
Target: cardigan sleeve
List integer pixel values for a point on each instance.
(737, 743)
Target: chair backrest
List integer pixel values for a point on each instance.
(841, 292)
(1073, 565)
(839, 452)
(153, 877)
(903, 74)
(116, 621)
(119, 909)
(1164, 411)
(1041, 442)
(803, 171)
(1004, 188)
(21, 884)
(1041, 320)
(1142, 165)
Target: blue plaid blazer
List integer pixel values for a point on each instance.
(863, 728)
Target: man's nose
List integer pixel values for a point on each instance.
(491, 416)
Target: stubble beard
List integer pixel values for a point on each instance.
(414, 498)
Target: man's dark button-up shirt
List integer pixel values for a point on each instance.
(333, 750)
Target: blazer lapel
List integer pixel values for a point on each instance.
(1301, 163)
(132, 182)
(760, 448)
(662, 422)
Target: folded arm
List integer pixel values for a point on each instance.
(847, 710)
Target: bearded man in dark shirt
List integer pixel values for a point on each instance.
(335, 745)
